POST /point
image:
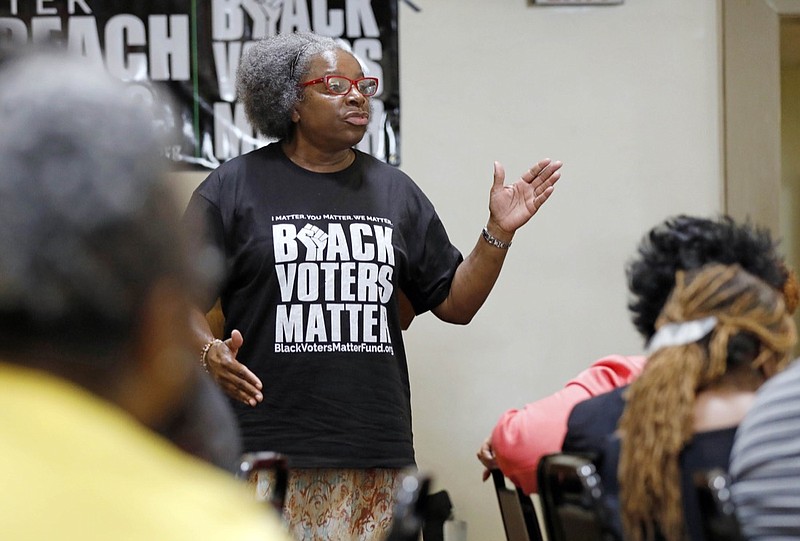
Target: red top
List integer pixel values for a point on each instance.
(522, 437)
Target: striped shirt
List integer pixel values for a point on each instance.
(765, 461)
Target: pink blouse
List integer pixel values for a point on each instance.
(522, 437)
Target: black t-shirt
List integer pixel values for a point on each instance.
(314, 261)
(706, 450)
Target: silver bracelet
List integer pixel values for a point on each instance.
(497, 243)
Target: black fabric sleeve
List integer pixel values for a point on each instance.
(432, 258)
(203, 223)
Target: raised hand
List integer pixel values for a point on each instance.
(511, 206)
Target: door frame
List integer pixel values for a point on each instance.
(751, 108)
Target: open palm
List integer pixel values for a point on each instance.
(511, 206)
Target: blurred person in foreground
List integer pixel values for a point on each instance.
(765, 461)
(95, 343)
(522, 436)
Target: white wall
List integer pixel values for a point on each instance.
(628, 97)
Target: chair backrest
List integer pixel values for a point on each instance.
(717, 510)
(570, 492)
(410, 504)
(517, 511)
(251, 463)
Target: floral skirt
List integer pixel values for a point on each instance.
(336, 504)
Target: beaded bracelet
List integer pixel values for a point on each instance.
(205, 350)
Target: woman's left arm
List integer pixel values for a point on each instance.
(510, 207)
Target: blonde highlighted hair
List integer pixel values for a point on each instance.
(659, 416)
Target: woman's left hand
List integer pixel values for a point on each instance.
(510, 207)
(486, 456)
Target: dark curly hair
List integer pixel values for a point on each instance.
(686, 242)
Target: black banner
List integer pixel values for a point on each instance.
(189, 50)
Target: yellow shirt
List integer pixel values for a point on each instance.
(75, 467)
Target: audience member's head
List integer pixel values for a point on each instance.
(94, 282)
(686, 242)
(720, 326)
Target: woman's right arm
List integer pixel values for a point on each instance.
(219, 360)
(203, 224)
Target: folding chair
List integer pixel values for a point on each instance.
(571, 493)
(251, 463)
(517, 511)
(717, 510)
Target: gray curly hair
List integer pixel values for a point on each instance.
(87, 221)
(269, 75)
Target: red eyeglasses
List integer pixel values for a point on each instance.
(340, 85)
